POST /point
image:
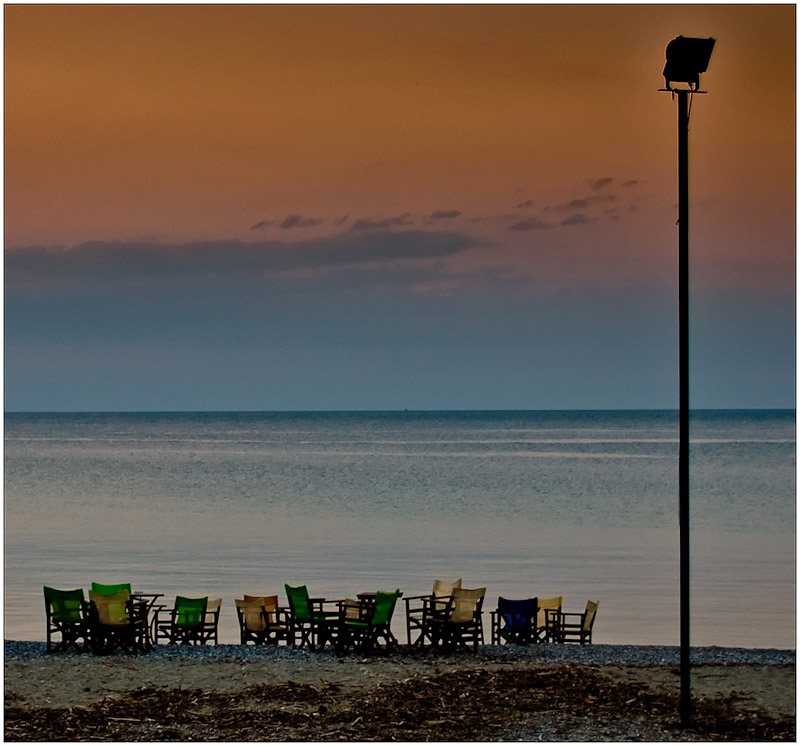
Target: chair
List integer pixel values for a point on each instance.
(546, 606)
(579, 629)
(514, 621)
(117, 621)
(462, 622)
(209, 628)
(419, 609)
(261, 621)
(186, 621)
(309, 623)
(371, 621)
(66, 617)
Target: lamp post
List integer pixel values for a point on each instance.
(686, 59)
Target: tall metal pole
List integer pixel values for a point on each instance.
(683, 456)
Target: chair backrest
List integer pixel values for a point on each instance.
(108, 590)
(250, 616)
(270, 604)
(298, 602)
(517, 615)
(444, 588)
(213, 606)
(553, 604)
(189, 612)
(64, 606)
(112, 608)
(351, 609)
(588, 617)
(466, 604)
(384, 607)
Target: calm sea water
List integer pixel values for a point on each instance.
(578, 504)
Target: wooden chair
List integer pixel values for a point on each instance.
(186, 621)
(261, 620)
(420, 610)
(579, 629)
(309, 623)
(117, 621)
(546, 606)
(209, 627)
(364, 623)
(514, 621)
(462, 622)
(67, 617)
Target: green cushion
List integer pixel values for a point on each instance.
(298, 601)
(189, 612)
(108, 590)
(65, 606)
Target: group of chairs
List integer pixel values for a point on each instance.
(452, 616)
(112, 617)
(449, 617)
(115, 617)
(533, 620)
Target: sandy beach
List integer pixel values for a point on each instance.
(549, 693)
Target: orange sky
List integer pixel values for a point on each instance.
(538, 128)
(188, 122)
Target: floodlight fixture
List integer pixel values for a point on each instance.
(687, 57)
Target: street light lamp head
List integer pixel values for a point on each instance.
(686, 59)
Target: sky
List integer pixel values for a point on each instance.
(381, 207)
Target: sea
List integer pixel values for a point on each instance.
(578, 504)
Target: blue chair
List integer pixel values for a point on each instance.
(514, 621)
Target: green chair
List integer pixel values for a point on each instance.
(186, 622)
(309, 623)
(66, 617)
(109, 590)
(373, 623)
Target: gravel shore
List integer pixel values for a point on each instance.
(588, 654)
(498, 693)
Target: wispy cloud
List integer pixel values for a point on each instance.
(367, 224)
(444, 214)
(601, 183)
(576, 219)
(261, 224)
(296, 221)
(104, 261)
(531, 224)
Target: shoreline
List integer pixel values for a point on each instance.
(538, 692)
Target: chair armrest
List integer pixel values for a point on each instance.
(416, 598)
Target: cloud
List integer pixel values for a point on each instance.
(105, 263)
(444, 214)
(366, 224)
(531, 224)
(576, 219)
(600, 183)
(575, 204)
(295, 221)
(526, 203)
(261, 224)
(585, 202)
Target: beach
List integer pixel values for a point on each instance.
(497, 693)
